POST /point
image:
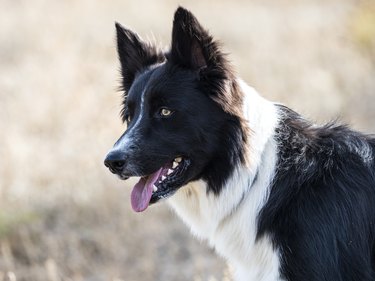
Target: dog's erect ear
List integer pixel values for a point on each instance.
(134, 54)
(194, 48)
(191, 43)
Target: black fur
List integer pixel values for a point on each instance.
(320, 212)
(134, 55)
(321, 209)
(194, 77)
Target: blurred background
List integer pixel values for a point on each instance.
(63, 216)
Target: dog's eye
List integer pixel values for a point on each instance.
(128, 118)
(165, 112)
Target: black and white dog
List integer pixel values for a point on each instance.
(279, 197)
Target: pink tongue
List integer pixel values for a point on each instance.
(142, 191)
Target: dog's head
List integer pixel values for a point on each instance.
(183, 113)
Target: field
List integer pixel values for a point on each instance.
(63, 216)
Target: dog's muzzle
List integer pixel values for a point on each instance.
(115, 161)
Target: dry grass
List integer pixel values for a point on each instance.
(63, 216)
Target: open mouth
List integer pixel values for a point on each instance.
(158, 185)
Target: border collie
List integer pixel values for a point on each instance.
(279, 197)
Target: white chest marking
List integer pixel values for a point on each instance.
(228, 221)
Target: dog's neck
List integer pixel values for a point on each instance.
(219, 218)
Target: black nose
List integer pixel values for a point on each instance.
(115, 161)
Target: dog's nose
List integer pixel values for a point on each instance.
(115, 161)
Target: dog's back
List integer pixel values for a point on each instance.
(320, 212)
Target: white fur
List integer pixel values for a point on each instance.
(363, 149)
(131, 135)
(228, 221)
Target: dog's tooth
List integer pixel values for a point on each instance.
(163, 178)
(178, 159)
(175, 164)
(170, 171)
(154, 188)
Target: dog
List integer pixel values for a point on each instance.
(276, 195)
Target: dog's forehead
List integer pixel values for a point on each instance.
(160, 79)
(144, 81)
(139, 85)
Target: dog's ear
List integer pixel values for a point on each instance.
(191, 43)
(134, 54)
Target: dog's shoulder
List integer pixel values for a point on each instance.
(321, 198)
